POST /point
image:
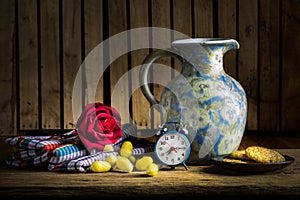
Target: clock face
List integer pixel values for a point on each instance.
(172, 148)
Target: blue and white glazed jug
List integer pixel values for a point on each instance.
(206, 100)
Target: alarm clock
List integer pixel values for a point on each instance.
(172, 148)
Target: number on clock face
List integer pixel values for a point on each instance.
(172, 148)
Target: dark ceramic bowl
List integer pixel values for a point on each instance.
(252, 167)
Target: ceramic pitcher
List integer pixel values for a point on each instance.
(210, 103)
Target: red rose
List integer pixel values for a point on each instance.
(99, 125)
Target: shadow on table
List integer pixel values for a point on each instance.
(214, 169)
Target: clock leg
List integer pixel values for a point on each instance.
(185, 166)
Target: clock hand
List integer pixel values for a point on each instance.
(179, 148)
(171, 147)
(169, 151)
(168, 143)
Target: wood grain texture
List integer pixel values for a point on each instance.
(203, 18)
(269, 65)
(182, 22)
(248, 58)
(28, 65)
(50, 64)
(93, 29)
(7, 68)
(227, 14)
(140, 105)
(160, 18)
(71, 10)
(290, 65)
(119, 63)
(199, 182)
(45, 41)
(182, 18)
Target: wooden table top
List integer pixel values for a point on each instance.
(199, 181)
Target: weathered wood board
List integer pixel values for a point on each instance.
(44, 44)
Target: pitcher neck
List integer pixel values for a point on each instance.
(205, 54)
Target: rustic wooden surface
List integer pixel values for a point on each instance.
(45, 42)
(269, 108)
(207, 181)
(227, 28)
(50, 64)
(247, 60)
(28, 64)
(290, 98)
(71, 23)
(161, 17)
(94, 35)
(139, 16)
(7, 66)
(118, 23)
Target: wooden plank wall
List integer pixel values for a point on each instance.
(43, 44)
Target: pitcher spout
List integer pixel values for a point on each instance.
(221, 41)
(206, 44)
(205, 54)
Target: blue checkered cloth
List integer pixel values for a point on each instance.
(35, 150)
(38, 160)
(62, 153)
(26, 154)
(68, 152)
(41, 142)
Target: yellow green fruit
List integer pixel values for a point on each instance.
(125, 153)
(132, 159)
(100, 166)
(112, 159)
(127, 145)
(126, 149)
(108, 148)
(124, 164)
(143, 163)
(152, 169)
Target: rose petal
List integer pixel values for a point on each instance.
(99, 125)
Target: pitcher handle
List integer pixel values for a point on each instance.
(148, 61)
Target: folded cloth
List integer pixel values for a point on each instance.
(64, 152)
(22, 141)
(36, 161)
(18, 163)
(36, 150)
(68, 152)
(40, 142)
(73, 151)
(83, 164)
(26, 154)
